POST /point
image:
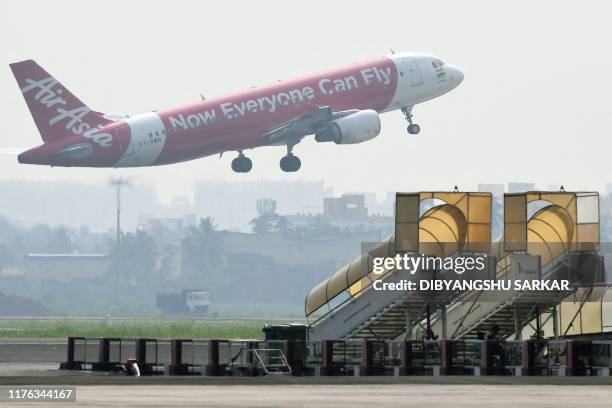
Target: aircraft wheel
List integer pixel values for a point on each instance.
(290, 163)
(413, 129)
(246, 165)
(242, 164)
(236, 165)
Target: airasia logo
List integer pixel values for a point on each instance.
(73, 119)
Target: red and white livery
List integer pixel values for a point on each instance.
(340, 105)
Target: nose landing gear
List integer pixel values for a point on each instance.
(242, 164)
(412, 128)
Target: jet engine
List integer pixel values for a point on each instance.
(355, 128)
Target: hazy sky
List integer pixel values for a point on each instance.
(534, 106)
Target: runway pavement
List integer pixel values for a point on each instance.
(32, 350)
(341, 396)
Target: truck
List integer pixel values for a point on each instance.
(190, 301)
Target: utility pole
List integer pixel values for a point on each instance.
(118, 183)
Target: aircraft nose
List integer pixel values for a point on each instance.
(455, 74)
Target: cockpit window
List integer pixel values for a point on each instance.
(434, 64)
(440, 63)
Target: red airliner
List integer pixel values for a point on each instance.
(340, 105)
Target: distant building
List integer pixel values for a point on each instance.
(346, 206)
(349, 213)
(497, 212)
(67, 267)
(295, 251)
(496, 189)
(520, 187)
(605, 214)
(374, 206)
(176, 225)
(386, 207)
(234, 205)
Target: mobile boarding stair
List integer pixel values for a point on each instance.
(563, 235)
(384, 314)
(346, 305)
(510, 310)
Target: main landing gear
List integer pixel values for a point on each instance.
(412, 128)
(290, 163)
(242, 164)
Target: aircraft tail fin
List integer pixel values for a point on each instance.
(56, 111)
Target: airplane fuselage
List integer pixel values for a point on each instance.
(233, 122)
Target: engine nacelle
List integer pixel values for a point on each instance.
(358, 127)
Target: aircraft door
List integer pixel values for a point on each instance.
(414, 72)
(123, 135)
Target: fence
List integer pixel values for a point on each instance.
(346, 357)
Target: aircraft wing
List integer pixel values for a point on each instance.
(304, 125)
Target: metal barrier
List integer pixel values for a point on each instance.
(602, 357)
(344, 357)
